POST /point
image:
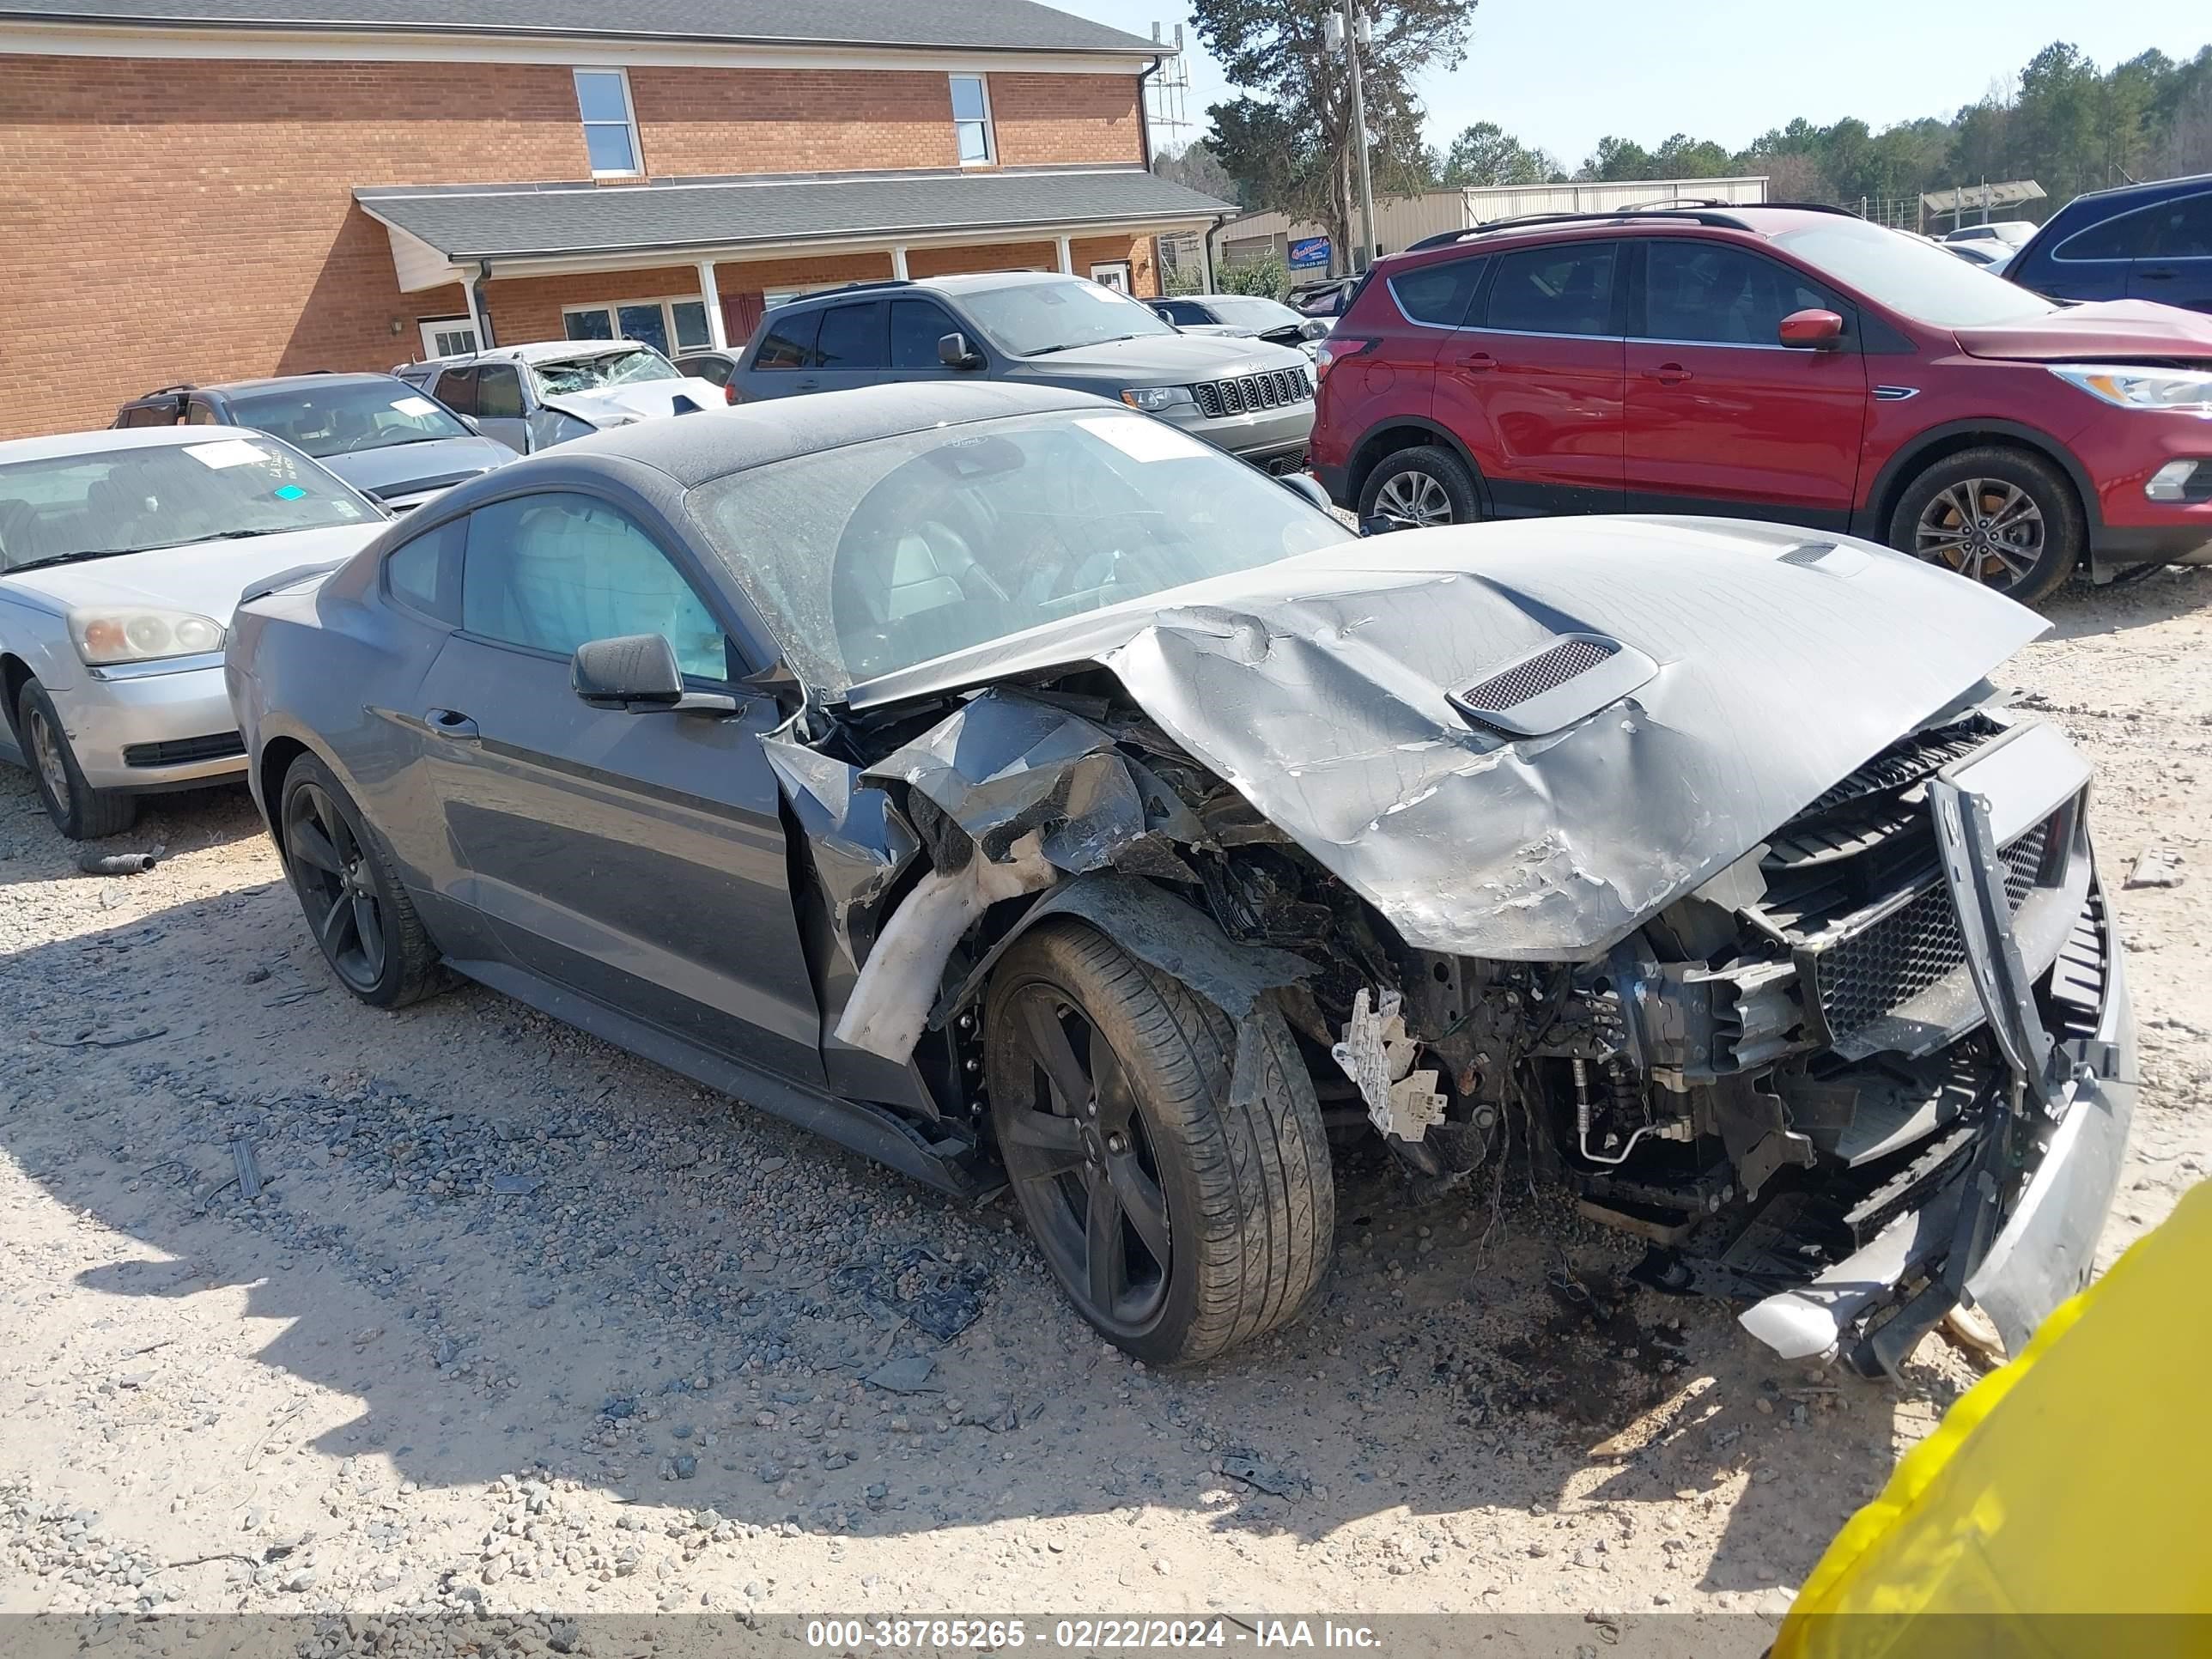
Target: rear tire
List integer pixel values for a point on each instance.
(1110, 1081)
(351, 894)
(79, 811)
(2003, 517)
(1419, 488)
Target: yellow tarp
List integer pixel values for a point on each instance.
(2075, 1480)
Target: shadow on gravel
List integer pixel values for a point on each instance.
(31, 851)
(508, 1246)
(2080, 612)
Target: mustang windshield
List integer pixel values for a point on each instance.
(881, 555)
(131, 501)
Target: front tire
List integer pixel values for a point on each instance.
(1179, 1220)
(355, 906)
(79, 811)
(2000, 517)
(1419, 488)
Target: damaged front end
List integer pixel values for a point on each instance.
(1827, 1009)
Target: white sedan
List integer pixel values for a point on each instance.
(122, 557)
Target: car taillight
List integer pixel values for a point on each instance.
(1334, 351)
(730, 392)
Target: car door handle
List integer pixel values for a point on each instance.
(2158, 276)
(1668, 373)
(452, 723)
(806, 386)
(1475, 362)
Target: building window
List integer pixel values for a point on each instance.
(610, 124)
(669, 326)
(971, 121)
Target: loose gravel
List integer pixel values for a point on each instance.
(313, 1309)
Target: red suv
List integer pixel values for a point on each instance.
(1792, 363)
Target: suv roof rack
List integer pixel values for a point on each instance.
(164, 391)
(848, 288)
(1617, 215)
(1719, 215)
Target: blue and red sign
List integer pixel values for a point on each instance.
(1308, 252)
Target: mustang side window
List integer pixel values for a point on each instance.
(553, 572)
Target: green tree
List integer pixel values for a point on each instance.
(1288, 137)
(1616, 158)
(1196, 166)
(1684, 157)
(1484, 154)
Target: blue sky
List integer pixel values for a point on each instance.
(1562, 73)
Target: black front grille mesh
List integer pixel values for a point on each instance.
(1540, 674)
(178, 751)
(1864, 977)
(1249, 394)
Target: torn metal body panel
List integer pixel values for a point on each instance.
(1718, 865)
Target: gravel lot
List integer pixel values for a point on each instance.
(518, 1322)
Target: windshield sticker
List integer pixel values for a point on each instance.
(289, 492)
(415, 406)
(1144, 440)
(231, 452)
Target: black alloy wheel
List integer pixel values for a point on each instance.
(336, 886)
(1078, 1147)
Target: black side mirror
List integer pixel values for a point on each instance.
(1379, 524)
(954, 352)
(1301, 483)
(636, 672)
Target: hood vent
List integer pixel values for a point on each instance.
(1554, 666)
(1555, 685)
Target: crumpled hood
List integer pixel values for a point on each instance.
(646, 399)
(206, 577)
(2125, 329)
(1321, 688)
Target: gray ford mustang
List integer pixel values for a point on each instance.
(1011, 787)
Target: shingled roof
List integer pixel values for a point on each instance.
(958, 25)
(508, 222)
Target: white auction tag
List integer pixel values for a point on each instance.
(1144, 440)
(231, 452)
(415, 406)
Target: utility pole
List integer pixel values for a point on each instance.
(1351, 31)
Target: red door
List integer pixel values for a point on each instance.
(1722, 417)
(741, 313)
(1535, 389)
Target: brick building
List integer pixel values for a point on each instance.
(207, 189)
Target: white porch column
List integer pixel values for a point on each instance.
(1067, 257)
(717, 336)
(898, 261)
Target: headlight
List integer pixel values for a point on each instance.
(2130, 387)
(1154, 398)
(107, 637)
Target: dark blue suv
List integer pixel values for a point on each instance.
(2138, 242)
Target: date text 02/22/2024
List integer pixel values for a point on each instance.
(1081, 1635)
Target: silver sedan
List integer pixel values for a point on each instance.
(122, 556)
